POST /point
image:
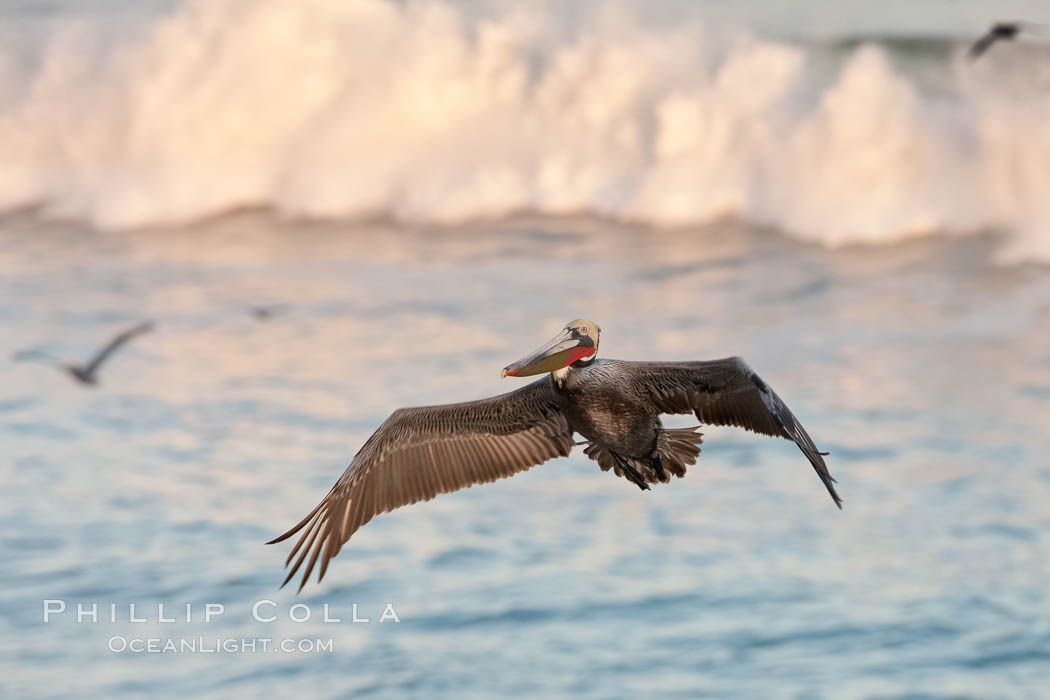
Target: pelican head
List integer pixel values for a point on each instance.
(577, 341)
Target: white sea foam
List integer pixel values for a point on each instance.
(419, 111)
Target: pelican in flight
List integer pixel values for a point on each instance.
(615, 405)
(1000, 31)
(87, 373)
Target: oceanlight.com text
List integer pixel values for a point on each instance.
(218, 645)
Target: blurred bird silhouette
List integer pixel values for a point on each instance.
(87, 373)
(264, 312)
(1000, 31)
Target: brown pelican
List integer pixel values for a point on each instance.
(1000, 31)
(87, 373)
(616, 405)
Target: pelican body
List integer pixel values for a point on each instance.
(615, 405)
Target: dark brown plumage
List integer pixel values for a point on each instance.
(421, 452)
(725, 392)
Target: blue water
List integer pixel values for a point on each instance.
(924, 368)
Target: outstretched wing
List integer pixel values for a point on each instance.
(724, 392)
(983, 44)
(92, 366)
(36, 355)
(421, 452)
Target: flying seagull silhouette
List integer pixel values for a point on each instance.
(1000, 31)
(87, 373)
(264, 312)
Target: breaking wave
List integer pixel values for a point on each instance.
(423, 111)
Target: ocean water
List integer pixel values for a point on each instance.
(427, 191)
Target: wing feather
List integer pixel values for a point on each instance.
(421, 452)
(725, 392)
(982, 45)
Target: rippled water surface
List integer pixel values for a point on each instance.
(923, 368)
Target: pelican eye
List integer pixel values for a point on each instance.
(583, 330)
